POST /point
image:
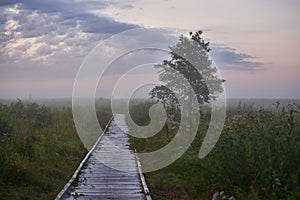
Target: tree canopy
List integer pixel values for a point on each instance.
(189, 60)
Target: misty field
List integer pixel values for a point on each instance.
(256, 157)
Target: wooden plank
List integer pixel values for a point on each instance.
(143, 180)
(67, 186)
(98, 181)
(108, 196)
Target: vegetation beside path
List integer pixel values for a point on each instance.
(39, 149)
(256, 157)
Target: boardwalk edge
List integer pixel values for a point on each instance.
(66, 187)
(142, 178)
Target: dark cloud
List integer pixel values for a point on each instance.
(69, 26)
(227, 58)
(94, 24)
(51, 6)
(8, 2)
(69, 13)
(72, 11)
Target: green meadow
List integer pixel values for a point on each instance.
(39, 148)
(256, 157)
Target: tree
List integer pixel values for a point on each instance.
(190, 60)
(195, 49)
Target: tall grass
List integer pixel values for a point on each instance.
(39, 149)
(256, 157)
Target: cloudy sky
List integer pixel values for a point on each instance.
(254, 43)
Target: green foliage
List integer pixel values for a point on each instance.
(39, 149)
(256, 157)
(259, 152)
(135, 108)
(189, 63)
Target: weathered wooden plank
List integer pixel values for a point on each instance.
(111, 186)
(108, 191)
(96, 180)
(108, 196)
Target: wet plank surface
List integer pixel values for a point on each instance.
(100, 176)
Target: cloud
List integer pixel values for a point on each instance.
(48, 40)
(41, 35)
(227, 58)
(8, 2)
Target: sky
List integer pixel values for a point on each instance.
(255, 44)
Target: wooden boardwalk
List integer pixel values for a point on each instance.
(95, 180)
